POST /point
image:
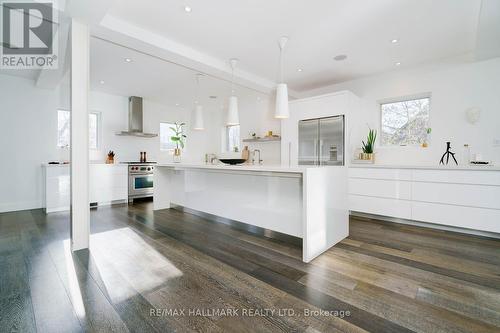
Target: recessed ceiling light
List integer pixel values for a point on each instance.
(299, 70)
(187, 9)
(128, 60)
(394, 41)
(176, 104)
(101, 82)
(340, 57)
(398, 64)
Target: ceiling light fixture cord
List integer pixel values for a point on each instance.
(281, 64)
(232, 78)
(281, 43)
(198, 88)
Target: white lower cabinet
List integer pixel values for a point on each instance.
(380, 206)
(457, 216)
(108, 183)
(57, 188)
(458, 198)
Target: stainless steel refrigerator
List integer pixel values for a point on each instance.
(321, 141)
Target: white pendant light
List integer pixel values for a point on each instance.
(282, 111)
(233, 117)
(198, 110)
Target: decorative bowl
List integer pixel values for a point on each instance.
(232, 161)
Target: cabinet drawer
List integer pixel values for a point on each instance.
(378, 173)
(392, 189)
(458, 177)
(457, 194)
(380, 206)
(457, 216)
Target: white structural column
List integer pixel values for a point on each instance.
(80, 206)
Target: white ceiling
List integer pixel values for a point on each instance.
(428, 30)
(156, 79)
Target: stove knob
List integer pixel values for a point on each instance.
(149, 169)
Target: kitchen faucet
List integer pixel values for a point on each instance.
(253, 159)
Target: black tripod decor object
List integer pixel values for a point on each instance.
(447, 154)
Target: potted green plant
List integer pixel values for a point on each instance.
(369, 146)
(427, 133)
(178, 138)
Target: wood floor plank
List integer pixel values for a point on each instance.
(16, 313)
(463, 291)
(443, 300)
(486, 281)
(392, 278)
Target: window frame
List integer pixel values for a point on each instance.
(57, 127)
(159, 131)
(397, 100)
(98, 130)
(226, 134)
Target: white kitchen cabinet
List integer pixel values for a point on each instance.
(387, 174)
(108, 184)
(464, 198)
(457, 216)
(380, 206)
(391, 189)
(339, 103)
(57, 188)
(482, 196)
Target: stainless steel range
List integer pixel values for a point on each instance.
(140, 180)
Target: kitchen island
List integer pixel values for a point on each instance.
(306, 202)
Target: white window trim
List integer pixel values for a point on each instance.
(170, 150)
(57, 123)
(396, 100)
(99, 128)
(226, 139)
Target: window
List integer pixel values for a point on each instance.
(405, 122)
(232, 137)
(63, 129)
(165, 134)
(93, 130)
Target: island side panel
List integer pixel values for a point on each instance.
(270, 200)
(325, 212)
(163, 187)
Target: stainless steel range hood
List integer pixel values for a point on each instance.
(135, 119)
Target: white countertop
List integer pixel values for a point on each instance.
(240, 167)
(489, 167)
(47, 165)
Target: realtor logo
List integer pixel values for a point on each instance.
(28, 39)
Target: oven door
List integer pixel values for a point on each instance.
(140, 185)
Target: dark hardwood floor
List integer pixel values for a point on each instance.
(144, 268)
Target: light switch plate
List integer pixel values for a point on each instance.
(496, 142)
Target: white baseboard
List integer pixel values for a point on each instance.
(17, 206)
(426, 225)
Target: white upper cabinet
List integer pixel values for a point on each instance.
(339, 103)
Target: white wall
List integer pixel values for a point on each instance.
(28, 137)
(28, 134)
(256, 116)
(454, 88)
(114, 118)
